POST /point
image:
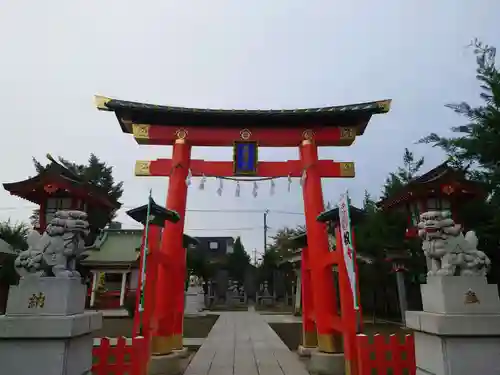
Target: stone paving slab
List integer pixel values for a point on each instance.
(242, 343)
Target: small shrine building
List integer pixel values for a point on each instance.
(441, 188)
(57, 188)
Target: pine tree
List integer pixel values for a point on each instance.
(15, 234)
(476, 149)
(403, 175)
(96, 173)
(238, 261)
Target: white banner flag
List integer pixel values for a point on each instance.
(347, 246)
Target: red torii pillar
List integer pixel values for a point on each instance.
(309, 336)
(323, 292)
(169, 298)
(154, 237)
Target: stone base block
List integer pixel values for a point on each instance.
(181, 353)
(305, 351)
(454, 325)
(41, 327)
(71, 356)
(47, 296)
(443, 355)
(165, 365)
(327, 363)
(460, 295)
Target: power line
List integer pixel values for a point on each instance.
(226, 229)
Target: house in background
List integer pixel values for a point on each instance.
(113, 262)
(215, 247)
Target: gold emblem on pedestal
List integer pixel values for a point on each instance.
(142, 168)
(347, 169)
(140, 131)
(471, 298)
(36, 300)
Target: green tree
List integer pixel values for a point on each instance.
(96, 173)
(15, 234)
(199, 265)
(475, 149)
(238, 261)
(403, 175)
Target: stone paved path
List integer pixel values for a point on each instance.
(242, 343)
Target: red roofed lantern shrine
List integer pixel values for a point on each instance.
(442, 188)
(245, 131)
(58, 188)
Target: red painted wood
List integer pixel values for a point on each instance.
(380, 357)
(154, 239)
(380, 349)
(139, 356)
(169, 294)
(101, 354)
(325, 306)
(349, 315)
(365, 363)
(120, 351)
(42, 216)
(120, 359)
(396, 361)
(286, 137)
(292, 168)
(307, 301)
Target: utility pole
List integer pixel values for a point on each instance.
(266, 212)
(255, 257)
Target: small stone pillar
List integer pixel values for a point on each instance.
(46, 329)
(458, 333)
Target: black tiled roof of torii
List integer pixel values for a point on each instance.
(355, 115)
(370, 107)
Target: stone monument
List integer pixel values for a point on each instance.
(458, 331)
(45, 329)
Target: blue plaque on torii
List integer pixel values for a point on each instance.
(245, 158)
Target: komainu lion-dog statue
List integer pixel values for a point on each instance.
(55, 252)
(451, 253)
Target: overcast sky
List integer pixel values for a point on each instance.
(55, 55)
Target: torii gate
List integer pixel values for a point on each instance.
(245, 130)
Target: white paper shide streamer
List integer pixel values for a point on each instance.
(221, 187)
(255, 189)
(203, 182)
(188, 178)
(238, 190)
(238, 187)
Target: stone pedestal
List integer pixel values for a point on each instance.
(327, 363)
(306, 351)
(458, 333)
(46, 330)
